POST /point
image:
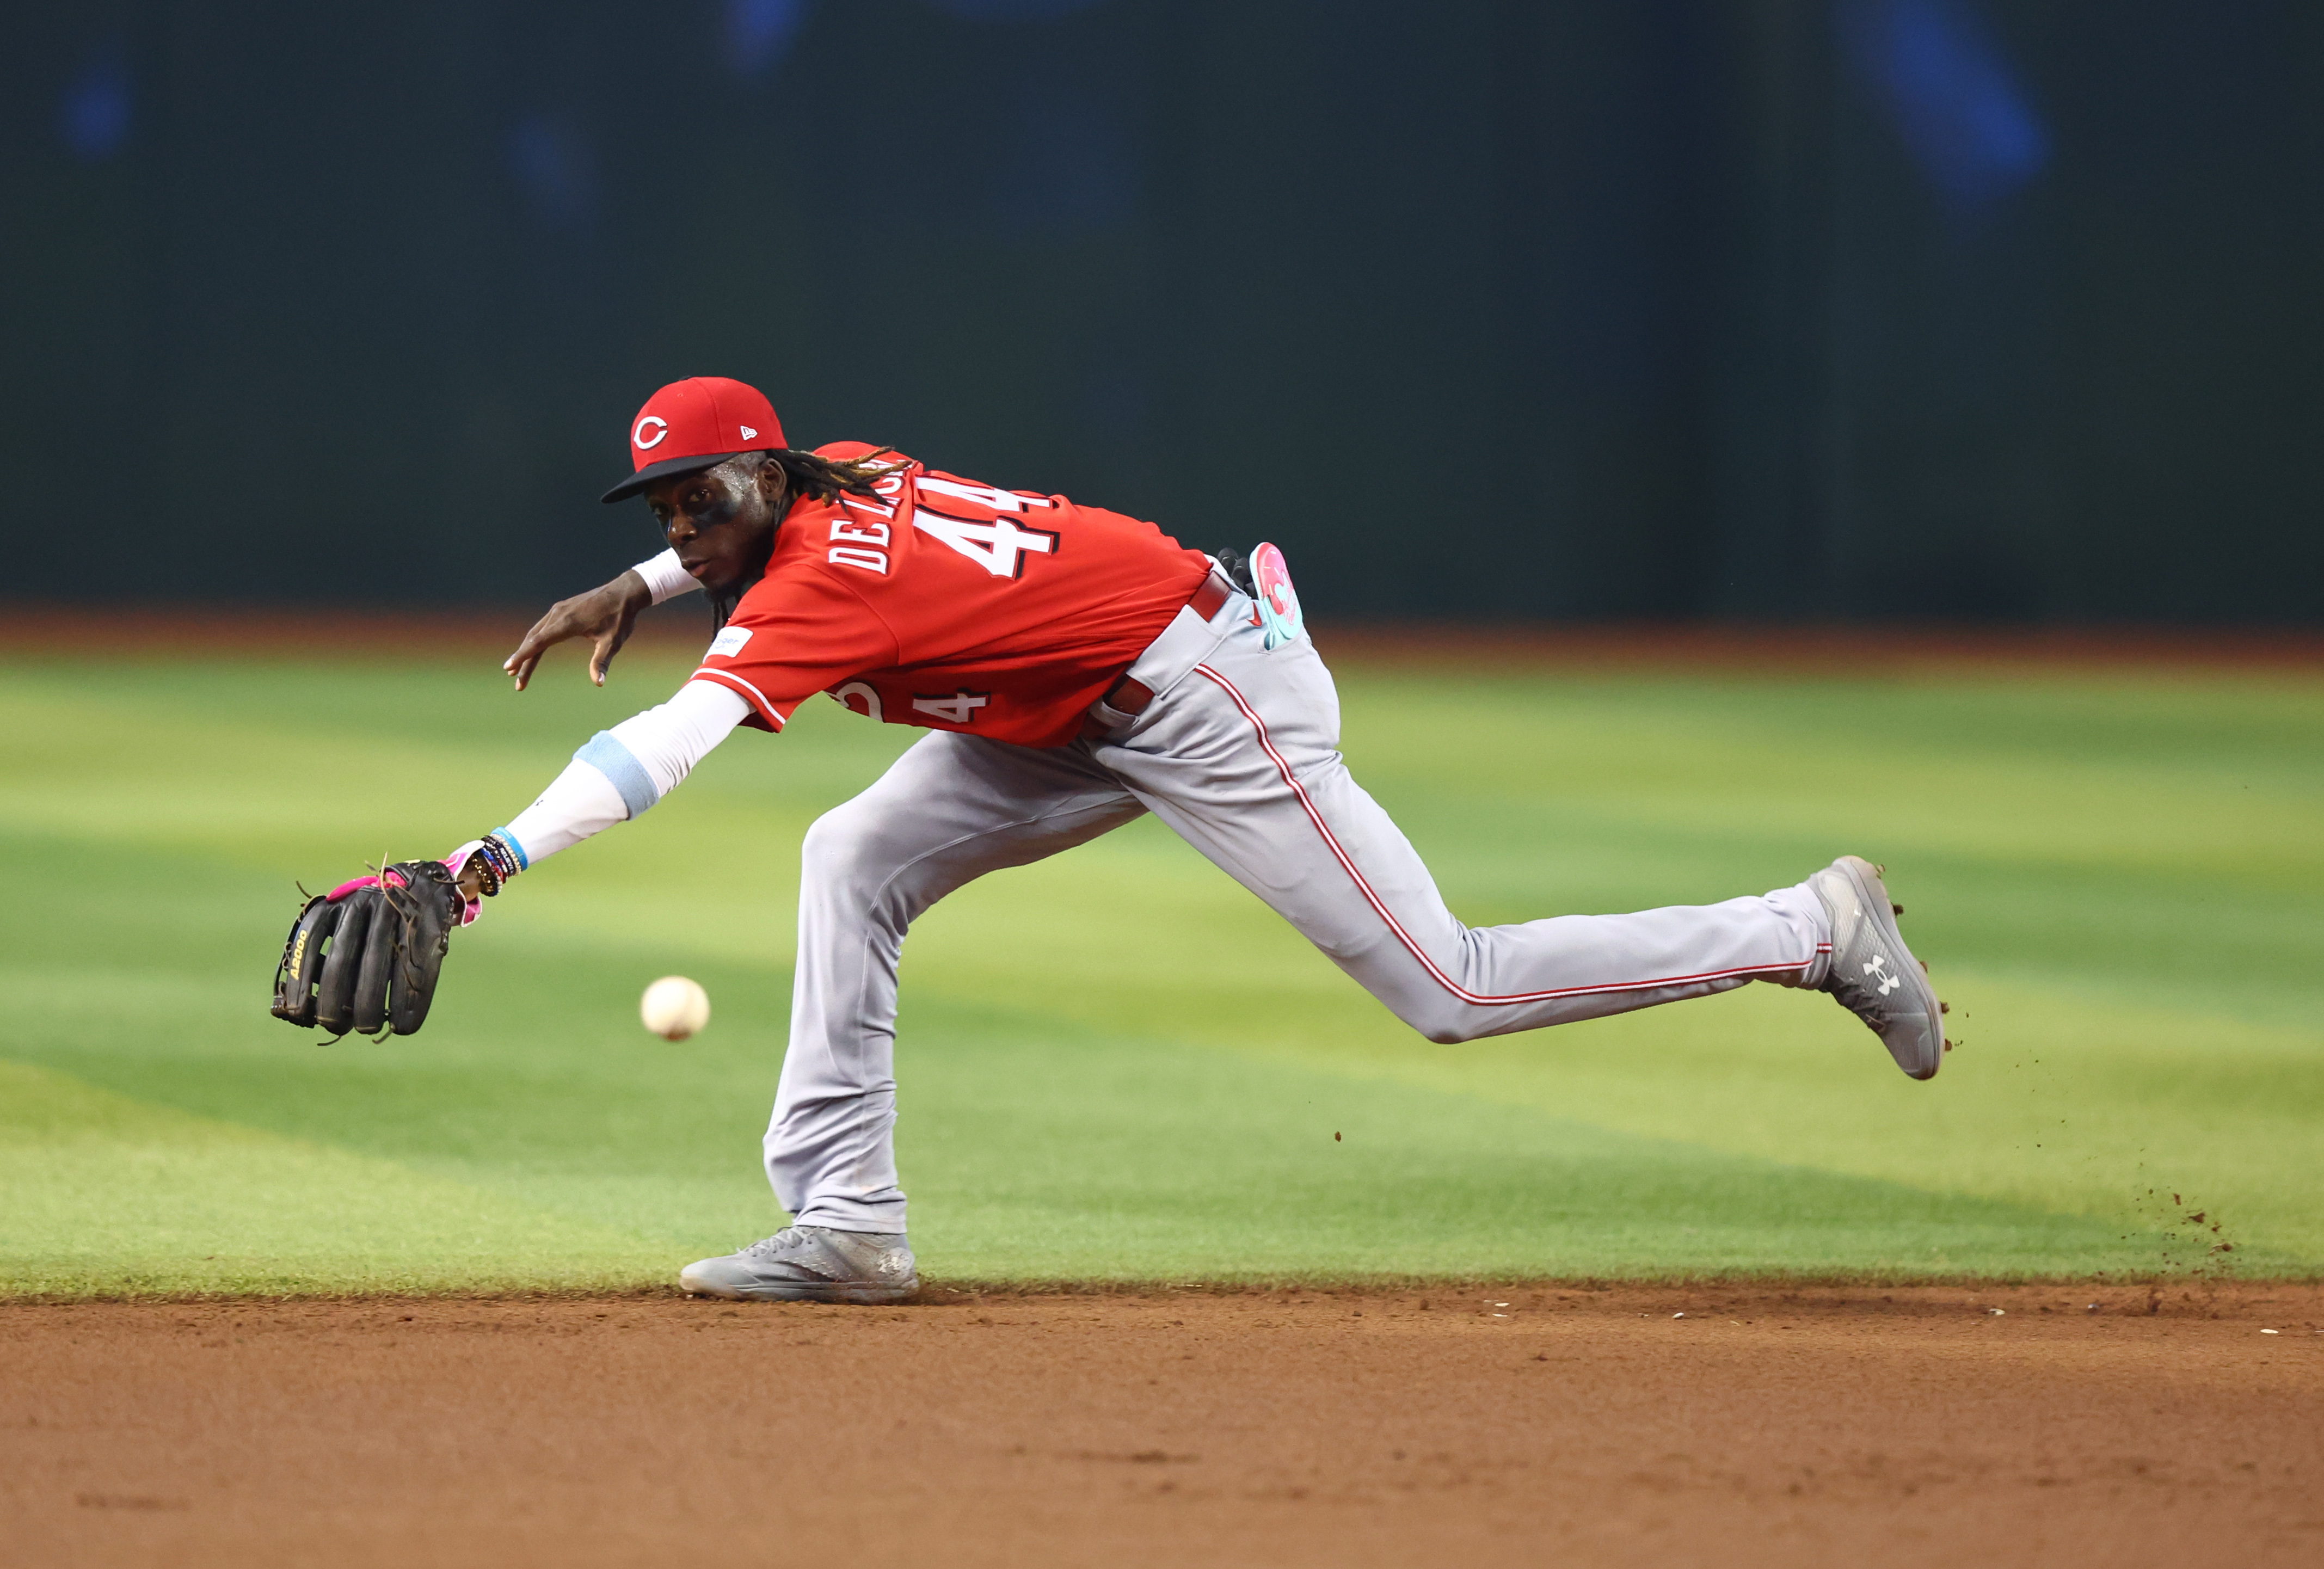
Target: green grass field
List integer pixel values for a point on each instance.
(1118, 1065)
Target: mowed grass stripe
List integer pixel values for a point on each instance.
(1072, 1159)
(1098, 1053)
(110, 1196)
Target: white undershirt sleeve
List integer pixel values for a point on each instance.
(578, 803)
(623, 770)
(667, 741)
(664, 578)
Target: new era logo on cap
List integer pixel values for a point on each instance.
(694, 424)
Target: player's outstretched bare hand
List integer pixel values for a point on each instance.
(606, 616)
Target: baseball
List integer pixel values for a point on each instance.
(675, 1007)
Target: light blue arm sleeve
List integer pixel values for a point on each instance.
(620, 765)
(623, 770)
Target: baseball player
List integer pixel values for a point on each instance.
(1074, 669)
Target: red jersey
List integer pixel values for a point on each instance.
(951, 605)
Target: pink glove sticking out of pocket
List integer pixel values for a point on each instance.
(1278, 602)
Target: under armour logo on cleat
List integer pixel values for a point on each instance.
(1877, 967)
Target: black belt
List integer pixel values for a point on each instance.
(1128, 697)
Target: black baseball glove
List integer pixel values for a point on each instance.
(368, 953)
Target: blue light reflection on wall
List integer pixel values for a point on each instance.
(93, 114)
(1951, 96)
(759, 33)
(553, 168)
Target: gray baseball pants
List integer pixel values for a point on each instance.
(1238, 753)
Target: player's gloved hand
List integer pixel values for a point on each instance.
(387, 936)
(606, 615)
(481, 868)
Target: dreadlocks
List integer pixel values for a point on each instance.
(805, 474)
(825, 478)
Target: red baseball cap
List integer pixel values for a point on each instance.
(695, 424)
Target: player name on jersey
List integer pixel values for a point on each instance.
(951, 605)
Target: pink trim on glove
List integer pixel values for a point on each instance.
(469, 908)
(343, 888)
(455, 864)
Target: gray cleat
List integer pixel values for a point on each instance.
(1872, 974)
(810, 1264)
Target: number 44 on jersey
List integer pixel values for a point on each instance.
(999, 546)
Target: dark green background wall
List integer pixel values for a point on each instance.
(1613, 308)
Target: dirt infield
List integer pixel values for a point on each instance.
(1524, 1425)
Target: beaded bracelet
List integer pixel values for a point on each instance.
(498, 862)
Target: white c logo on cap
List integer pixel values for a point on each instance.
(661, 429)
